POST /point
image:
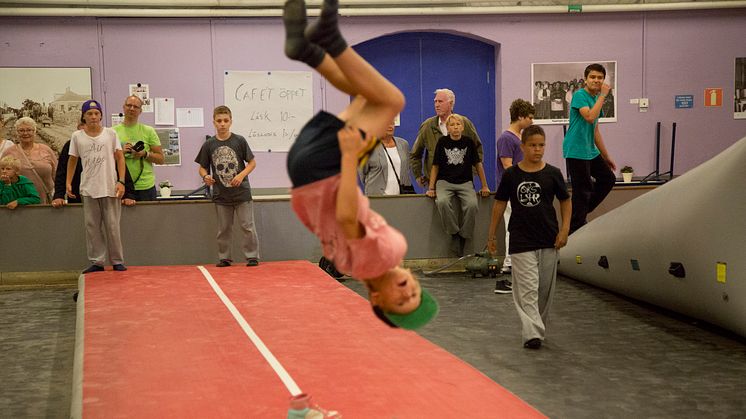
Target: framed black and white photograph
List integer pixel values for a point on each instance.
(739, 96)
(553, 84)
(52, 96)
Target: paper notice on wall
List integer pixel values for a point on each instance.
(190, 117)
(269, 107)
(116, 119)
(143, 92)
(164, 110)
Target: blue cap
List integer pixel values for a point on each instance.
(90, 104)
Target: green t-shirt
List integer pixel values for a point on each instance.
(580, 141)
(141, 170)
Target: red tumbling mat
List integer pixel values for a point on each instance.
(158, 342)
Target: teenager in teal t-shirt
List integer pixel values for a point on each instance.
(584, 148)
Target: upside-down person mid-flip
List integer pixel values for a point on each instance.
(323, 161)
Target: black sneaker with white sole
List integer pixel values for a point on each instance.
(534, 343)
(502, 287)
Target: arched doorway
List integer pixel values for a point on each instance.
(420, 62)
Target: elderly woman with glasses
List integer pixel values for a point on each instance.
(38, 161)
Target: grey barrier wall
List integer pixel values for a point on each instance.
(41, 238)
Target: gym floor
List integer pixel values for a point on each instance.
(605, 355)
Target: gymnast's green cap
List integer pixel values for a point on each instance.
(422, 315)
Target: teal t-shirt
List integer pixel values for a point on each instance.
(141, 170)
(579, 141)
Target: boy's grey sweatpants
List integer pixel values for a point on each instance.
(101, 216)
(467, 197)
(244, 212)
(534, 275)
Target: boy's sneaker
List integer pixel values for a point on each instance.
(252, 262)
(302, 406)
(502, 287)
(534, 343)
(223, 263)
(329, 268)
(93, 268)
(119, 267)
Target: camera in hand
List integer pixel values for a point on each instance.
(139, 146)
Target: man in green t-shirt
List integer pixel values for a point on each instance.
(139, 159)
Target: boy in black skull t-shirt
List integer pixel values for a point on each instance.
(230, 159)
(535, 237)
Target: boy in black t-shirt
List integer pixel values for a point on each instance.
(535, 237)
(451, 174)
(230, 159)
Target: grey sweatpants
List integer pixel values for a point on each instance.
(244, 213)
(534, 276)
(101, 216)
(467, 197)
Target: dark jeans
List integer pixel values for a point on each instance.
(315, 153)
(146, 195)
(587, 194)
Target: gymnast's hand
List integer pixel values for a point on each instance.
(351, 142)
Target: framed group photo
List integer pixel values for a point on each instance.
(553, 84)
(739, 96)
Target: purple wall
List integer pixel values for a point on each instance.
(659, 55)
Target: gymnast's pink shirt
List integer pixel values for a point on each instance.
(380, 249)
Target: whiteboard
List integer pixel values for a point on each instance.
(269, 107)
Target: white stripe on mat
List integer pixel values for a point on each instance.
(266, 353)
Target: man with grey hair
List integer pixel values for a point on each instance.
(142, 148)
(431, 130)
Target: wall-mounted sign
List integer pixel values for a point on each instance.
(684, 101)
(714, 96)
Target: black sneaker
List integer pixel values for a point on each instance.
(119, 267)
(252, 262)
(502, 287)
(93, 268)
(534, 343)
(328, 267)
(456, 247)
(223, 263)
